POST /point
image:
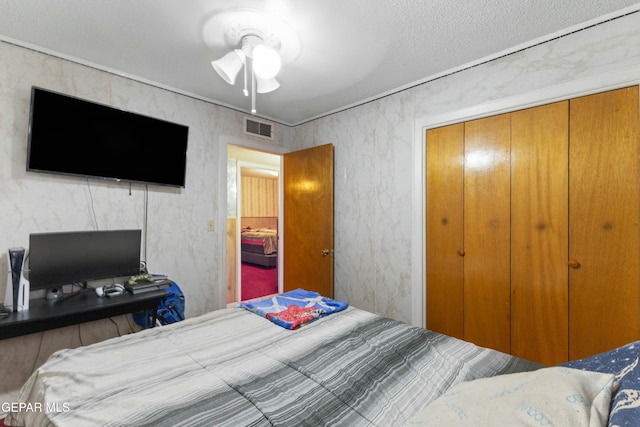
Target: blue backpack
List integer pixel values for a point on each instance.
(170, 309)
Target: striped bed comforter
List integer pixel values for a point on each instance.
(234, 368)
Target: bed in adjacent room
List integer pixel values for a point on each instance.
(259, 246)
(341, 366)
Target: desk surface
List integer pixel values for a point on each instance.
(86, 306)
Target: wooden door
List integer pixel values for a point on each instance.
(539, 233)
(604, 241)
(487, 232)
(308, 220)
(444, 228)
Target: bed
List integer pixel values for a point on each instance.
(234, 367)
(259, 246)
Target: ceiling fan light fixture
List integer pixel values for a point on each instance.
(266, 62)
(229, 65)
(266, 43)
(266, 85)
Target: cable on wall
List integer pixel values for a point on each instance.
(91, 204)
(145, 219)
(145, 222)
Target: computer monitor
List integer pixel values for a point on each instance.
(62, 258)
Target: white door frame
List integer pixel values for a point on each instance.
(611, 80)
(223, 141)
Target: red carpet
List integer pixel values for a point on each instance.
(258, 281)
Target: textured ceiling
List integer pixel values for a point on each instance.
(349, 51)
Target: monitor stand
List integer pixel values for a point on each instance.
(62, 296)
(54, 293)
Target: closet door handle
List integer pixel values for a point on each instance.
(573, 263)
(461, 252)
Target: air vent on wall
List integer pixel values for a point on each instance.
(258, 128)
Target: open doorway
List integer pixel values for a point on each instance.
(253, 215)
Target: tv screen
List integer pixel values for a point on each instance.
(71, 136)
(63, 258)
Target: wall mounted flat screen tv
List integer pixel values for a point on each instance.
(63, 258)
(71, 136)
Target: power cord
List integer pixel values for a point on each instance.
(145, 221)
(93, 208)
(117, 327)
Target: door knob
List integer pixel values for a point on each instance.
(461, 252)
(574, 264)
(326, 252)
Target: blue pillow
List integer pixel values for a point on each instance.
(624, 363)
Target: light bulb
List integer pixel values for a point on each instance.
(266, 62)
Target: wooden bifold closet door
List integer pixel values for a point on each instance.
(604, 273)
(539, 238)
(487, 231)
(532, 238)
(444, 229)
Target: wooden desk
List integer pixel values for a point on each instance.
(45, 314)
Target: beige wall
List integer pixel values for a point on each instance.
(259, 196)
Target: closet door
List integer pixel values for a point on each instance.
(444, 251)
(539, 233)
(487, 232)
(604, 250)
